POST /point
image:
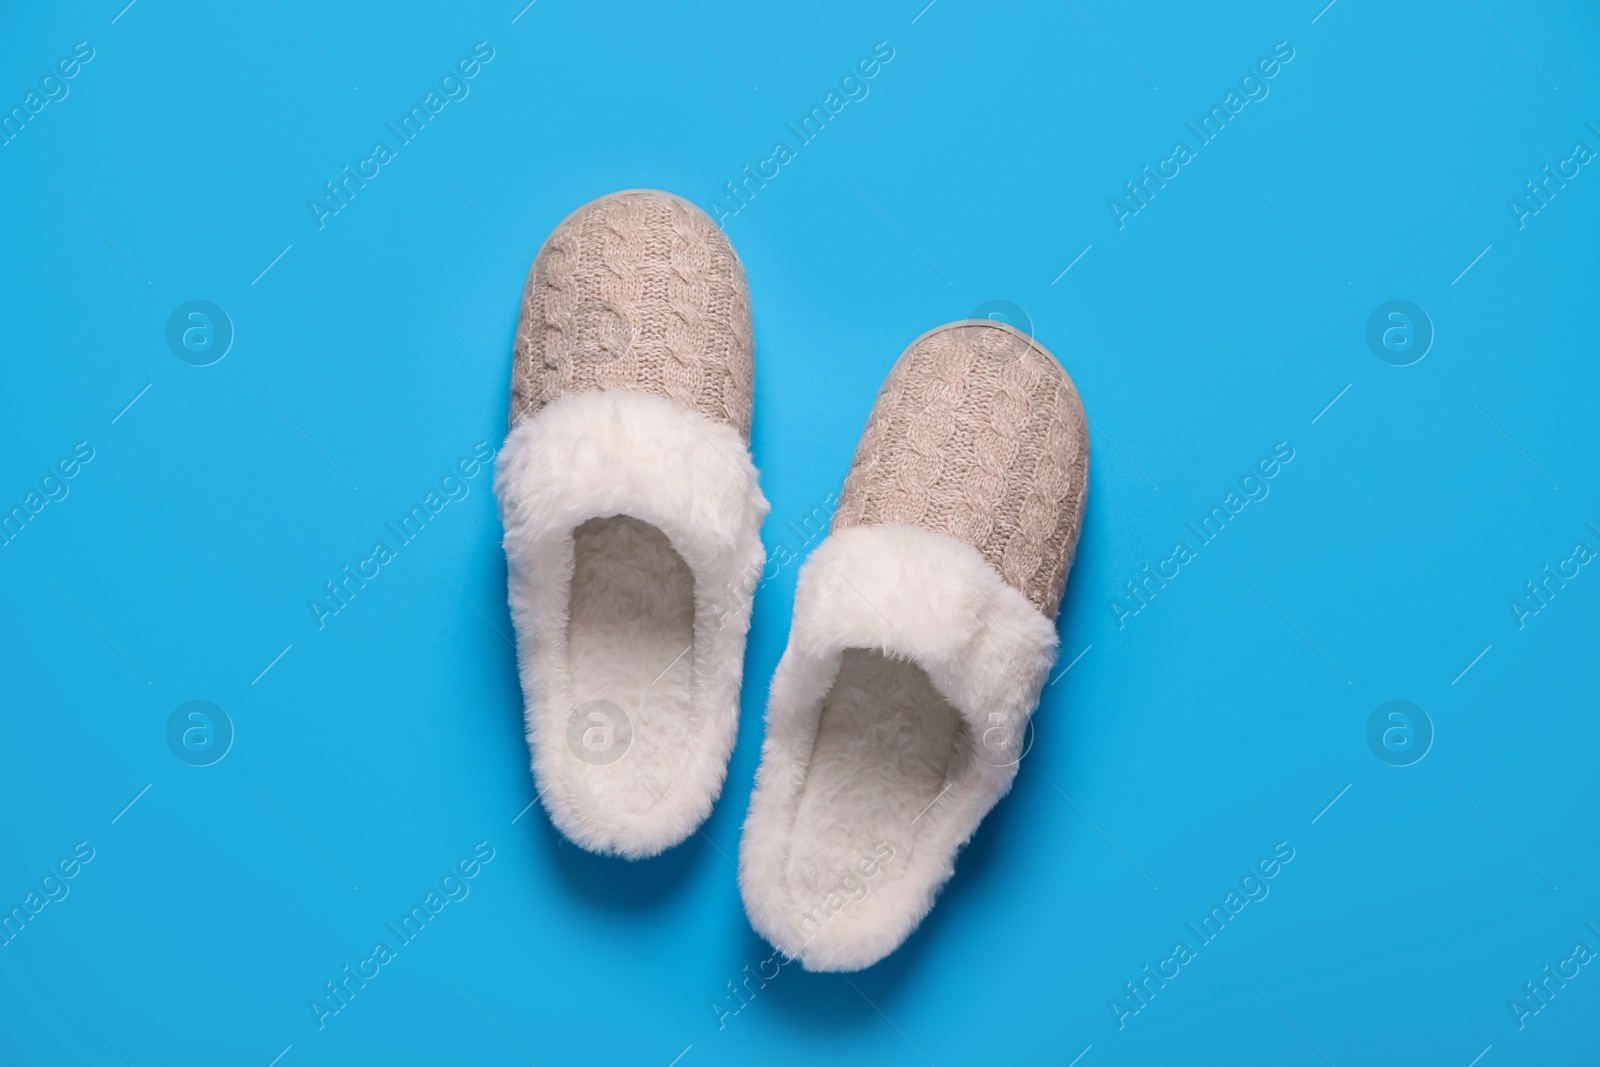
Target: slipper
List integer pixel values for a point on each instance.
(632, 517)
(923, 633)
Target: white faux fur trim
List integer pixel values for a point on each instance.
(837, 863)
(594, 454)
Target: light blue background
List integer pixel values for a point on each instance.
(1220, 720)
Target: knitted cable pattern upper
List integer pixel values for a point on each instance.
(639, 291)
(979, 434)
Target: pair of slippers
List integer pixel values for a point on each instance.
(923, 626)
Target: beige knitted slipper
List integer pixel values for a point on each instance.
(632, 517)
(922, 636)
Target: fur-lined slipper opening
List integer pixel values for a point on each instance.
(895, 723)
(632, 537)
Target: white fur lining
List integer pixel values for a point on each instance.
(690, 484)
(895, 723)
